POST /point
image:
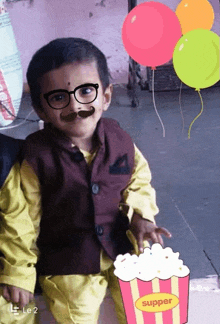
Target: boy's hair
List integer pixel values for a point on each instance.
(59, 52)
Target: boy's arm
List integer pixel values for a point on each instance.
(139, 204)
(139, 197)
(31, 188)
(17, 259)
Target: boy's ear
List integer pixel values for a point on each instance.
(108, 96)
(40, 113)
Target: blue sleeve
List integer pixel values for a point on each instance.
(10, 149)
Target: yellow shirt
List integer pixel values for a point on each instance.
(16, 235)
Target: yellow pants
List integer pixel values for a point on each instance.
(9, 314)
(72, 299)
(76, 299)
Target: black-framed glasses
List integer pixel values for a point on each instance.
(60, 98)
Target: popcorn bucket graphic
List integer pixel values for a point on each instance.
(11, 81)
(154, 286)
(156, 301)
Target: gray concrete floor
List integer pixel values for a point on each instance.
(203, 305)
(185, 172)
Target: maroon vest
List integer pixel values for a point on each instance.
(80, 202)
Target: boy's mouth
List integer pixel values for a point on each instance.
(81, 113)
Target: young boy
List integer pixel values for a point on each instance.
(84, 180)
(17, 271)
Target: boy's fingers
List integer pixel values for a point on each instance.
(24, 300)
(163, 231)
(17, 295)
(14, 294)
(160, 240)
(6, 293)
(154, 237)
(140, 243)
(31, 297)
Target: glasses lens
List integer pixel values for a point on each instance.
(58, 100)
(86, 94)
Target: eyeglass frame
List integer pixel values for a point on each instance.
(95, 85)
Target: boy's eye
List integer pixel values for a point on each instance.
(86, 91)
(86, 94)
(58, 97)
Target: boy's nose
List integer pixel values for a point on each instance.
(74, 105)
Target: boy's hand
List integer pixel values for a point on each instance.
(17, 295)
(143, 229)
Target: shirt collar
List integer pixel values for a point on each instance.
(65, 142)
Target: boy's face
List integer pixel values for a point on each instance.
(68, 77)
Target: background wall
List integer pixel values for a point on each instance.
(98, 21)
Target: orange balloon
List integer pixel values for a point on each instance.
(194, 14)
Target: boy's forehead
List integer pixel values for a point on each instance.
(70, 75)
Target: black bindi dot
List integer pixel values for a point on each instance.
(68, 83)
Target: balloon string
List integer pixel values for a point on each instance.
(197, 115)
(155, 105)
(181, 107)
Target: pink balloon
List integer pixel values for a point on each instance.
(150, 33)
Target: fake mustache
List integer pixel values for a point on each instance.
(81, 113)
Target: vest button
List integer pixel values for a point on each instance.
(77, 156)
(99, 230)
(95, 188)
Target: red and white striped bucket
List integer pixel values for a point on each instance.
(156, 301)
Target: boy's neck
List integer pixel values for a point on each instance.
(85, 144)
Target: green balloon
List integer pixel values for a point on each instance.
(196, 58)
